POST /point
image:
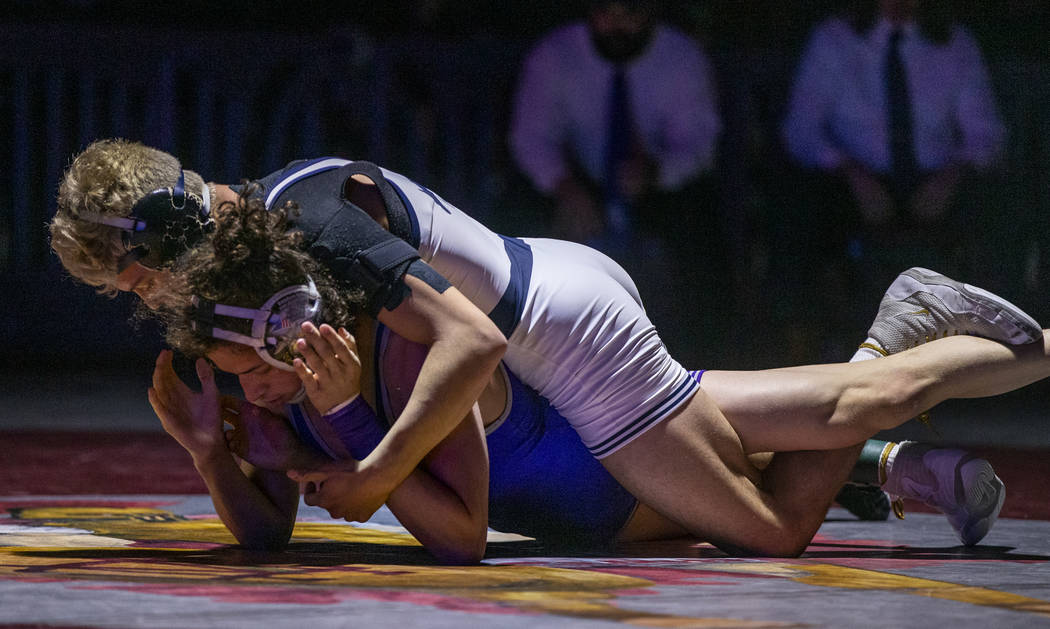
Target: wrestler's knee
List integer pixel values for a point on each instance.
(776, 531)
(776, 544)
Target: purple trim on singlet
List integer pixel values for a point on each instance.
(302, 427)
(699, 373)
(655, 414)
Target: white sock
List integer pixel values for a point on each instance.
(865, 352)
(888, 467)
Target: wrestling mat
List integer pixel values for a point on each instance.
(115, 530)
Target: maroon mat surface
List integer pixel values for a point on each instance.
(94, 533)
(78, 463)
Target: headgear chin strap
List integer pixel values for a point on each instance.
(162, 225)
(275, 325)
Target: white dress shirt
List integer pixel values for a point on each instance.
(838, 107)
(562, 104)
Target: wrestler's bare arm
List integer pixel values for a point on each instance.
(443, 502)
(465, 348)
(446, 507)
(257, 506)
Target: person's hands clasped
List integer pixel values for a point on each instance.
(192, 418)
(872, 197)
(263, 438)
(349, 489)
(330, 368)
(932, 200)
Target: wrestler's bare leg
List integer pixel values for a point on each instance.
(836, 405)
(692, 469)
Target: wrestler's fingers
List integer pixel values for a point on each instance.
(232, 441)
(231, 416)
(160, 407)
(334, 340)
(160, 368)
(164, 377)
(160, 390)
(313, 360)
(306, 375)
(207, 377)
(155, 401)
(344, 352)
(301, 476)
(231, 407)
(351, 344)
(324, 339)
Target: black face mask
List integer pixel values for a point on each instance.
(620, 47)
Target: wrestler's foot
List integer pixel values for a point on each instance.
(866, 502)
(960, 485)
(921, 306)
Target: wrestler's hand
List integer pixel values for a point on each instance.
(347, 489)
(872, 198)
(637, 176)
(330, 368)
(265, 439)
(576, 213)
(192, 418)
(932, 200)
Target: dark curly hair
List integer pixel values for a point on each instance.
(250, 255)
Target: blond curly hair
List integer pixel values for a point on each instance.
(108, 178)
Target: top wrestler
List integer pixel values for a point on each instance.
(583, 341)
(540, 479)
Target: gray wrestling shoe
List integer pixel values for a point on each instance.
(921, 306)
(960, 485)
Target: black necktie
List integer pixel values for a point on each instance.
(902, 147)
(618, 134)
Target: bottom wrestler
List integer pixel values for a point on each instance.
(536, 459)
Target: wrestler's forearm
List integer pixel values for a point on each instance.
(444, 502)
(439, 518)
(258, 507)
(465, 347)
(455, 372)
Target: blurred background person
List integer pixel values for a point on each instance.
(892, 113)
(615, 124)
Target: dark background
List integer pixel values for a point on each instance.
(423, 88)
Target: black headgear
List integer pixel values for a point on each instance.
(161, 226)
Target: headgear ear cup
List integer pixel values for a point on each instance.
(161, 226)
(275, 325)
(289, 309)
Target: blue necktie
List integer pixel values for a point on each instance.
(617, 149)
(902, 148)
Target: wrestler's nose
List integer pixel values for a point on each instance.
(253, 389)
